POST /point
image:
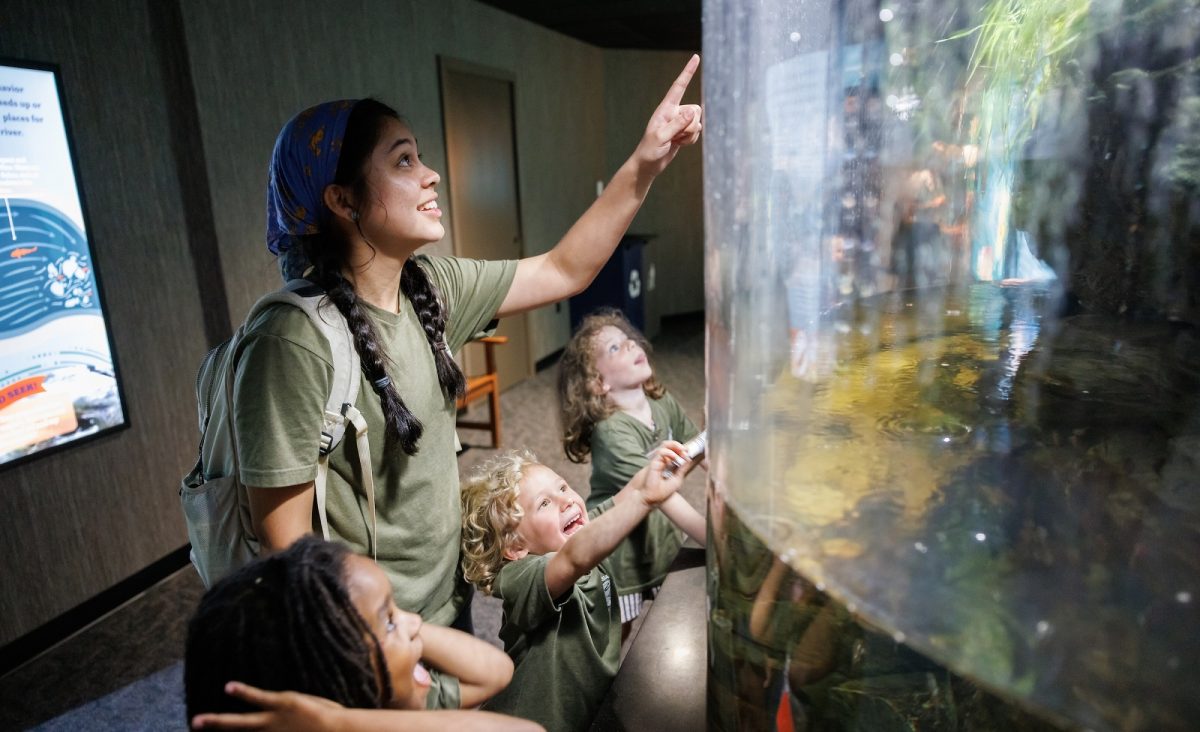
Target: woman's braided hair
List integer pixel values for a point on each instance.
(327, 252)
(284, 622)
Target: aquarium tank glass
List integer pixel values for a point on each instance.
(953, 289)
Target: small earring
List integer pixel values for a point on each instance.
(353, 215)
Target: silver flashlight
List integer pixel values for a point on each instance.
(693, 448)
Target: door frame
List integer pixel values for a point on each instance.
(449, 64)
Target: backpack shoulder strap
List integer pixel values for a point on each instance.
(346, 364)
(343, 392)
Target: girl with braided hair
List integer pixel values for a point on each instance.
(312, 638)
(349, 202)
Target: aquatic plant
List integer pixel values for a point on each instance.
(1026, 48)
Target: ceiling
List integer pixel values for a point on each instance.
(661, 25)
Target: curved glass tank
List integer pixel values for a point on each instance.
(953, 282)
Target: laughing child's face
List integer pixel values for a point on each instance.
(396, 630)
(552, 512)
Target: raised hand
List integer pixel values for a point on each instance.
(657, 482)
(672, 125)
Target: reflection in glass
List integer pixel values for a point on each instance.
(953, 277)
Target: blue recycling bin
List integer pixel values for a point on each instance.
(621, 284)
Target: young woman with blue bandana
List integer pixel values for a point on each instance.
(349, 202)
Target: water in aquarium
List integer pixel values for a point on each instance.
(953, 282)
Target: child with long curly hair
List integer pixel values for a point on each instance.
(613, 408)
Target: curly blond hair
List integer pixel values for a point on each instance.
(580, 404)
(491, 515)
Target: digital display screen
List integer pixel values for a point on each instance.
(58, 375)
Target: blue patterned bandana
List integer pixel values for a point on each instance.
(303, 163)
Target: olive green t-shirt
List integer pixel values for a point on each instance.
(283, 379)
(444, 691)
(566, 650)
(619, 447)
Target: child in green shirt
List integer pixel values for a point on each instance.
(613, 408)
(312, 638)
(528, 540)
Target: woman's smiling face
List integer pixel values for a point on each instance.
(394, 629)
(401, 200)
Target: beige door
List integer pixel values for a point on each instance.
(481, 159)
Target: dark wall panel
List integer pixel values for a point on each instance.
(74, 523)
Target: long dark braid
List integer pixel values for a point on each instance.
(284, 622)
(328, 256)
(423, 295)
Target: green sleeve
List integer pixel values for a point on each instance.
(600, 508)
(521, 586)
(444, 692)
(280, 388)
(472, 291)
(618, 453)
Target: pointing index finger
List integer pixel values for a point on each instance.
(680, 85)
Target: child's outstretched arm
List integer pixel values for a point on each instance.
(482, 669)
(680, 512)
(290, 711)
(590, 545)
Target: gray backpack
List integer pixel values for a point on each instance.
(215, 503)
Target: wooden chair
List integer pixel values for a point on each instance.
(485, 384)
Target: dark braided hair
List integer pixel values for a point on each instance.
(327, 252)
(284, 622)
